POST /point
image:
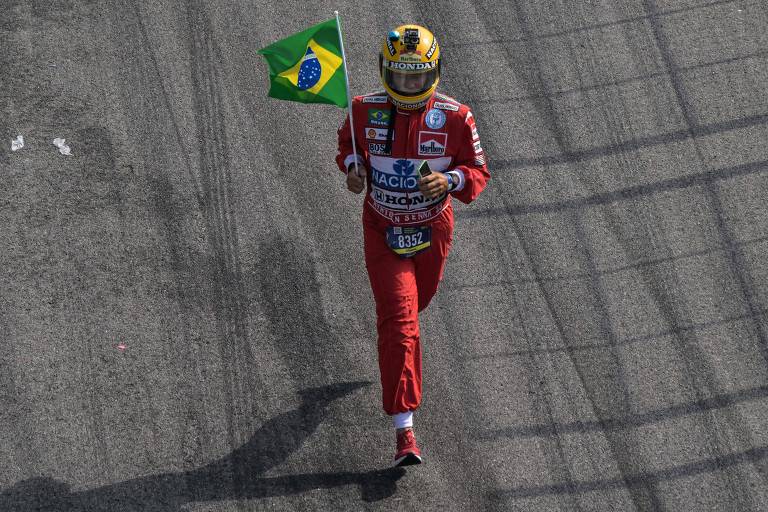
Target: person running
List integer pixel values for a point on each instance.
(416, 148)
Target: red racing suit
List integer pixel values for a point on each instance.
(444, 134)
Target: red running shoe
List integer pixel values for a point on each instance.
(408, 452)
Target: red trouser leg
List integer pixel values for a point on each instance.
(401, 288)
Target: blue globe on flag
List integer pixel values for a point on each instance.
(310, 71)
(309, 66)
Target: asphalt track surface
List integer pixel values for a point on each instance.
(600, 340)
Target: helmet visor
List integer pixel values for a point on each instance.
(410, 84)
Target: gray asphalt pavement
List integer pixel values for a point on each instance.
(185, 318)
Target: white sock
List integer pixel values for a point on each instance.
(403, 419)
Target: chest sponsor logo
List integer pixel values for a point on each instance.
(432, 143)
(394, 182)
(377, 133)
(378, 117)
(378, 148)
(397, 174)
(435, 119)
(375, 99)
(446, 106)
(403, 200)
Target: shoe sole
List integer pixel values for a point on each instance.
(409, 459)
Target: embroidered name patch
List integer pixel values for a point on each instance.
(446, 106)
(375, 99)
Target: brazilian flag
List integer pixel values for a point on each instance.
(308, 66)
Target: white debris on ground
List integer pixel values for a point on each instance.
(61, 144)
(17, 143)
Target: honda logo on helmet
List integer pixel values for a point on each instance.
(410, 66)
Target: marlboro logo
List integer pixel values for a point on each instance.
(432, 143)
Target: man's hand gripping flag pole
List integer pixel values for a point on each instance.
(349, 95)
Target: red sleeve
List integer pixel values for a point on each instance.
(345, 155)
(470, 162)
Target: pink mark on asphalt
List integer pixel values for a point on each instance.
(121, 347)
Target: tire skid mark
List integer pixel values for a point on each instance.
(229, 298)
(557, 461)
(628, 146)
(736, 256)
(171, 216)
(549, 300)
(228, 306)
(622, 342)
(295, 250)
(736, 260)
(708, 178)
(695, 367)
(716, 402)
(699, 376)
(664, 306)
(155, 71)
(613, 394)
(684, 471)
(596, 86)
(642, 262)
(296, 255)
(597, 26)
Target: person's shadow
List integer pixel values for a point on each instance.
(235, 476)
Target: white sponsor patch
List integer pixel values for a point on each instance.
(469, 116)
(432, 143)
(375, 99)
(377, 133)
(446, 106)
(475, 136)
(402, 200)
(478, 148)
(378, 148)
(387, 164)
(480, 160)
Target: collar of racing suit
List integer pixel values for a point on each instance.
(395, 109)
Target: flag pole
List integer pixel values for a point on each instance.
(349, 96)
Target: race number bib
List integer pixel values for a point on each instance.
(409, 241)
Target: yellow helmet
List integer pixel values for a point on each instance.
(409, 64)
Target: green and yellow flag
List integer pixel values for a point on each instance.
(308, 66)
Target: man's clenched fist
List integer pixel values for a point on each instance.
(433, 185)
(356, 183)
